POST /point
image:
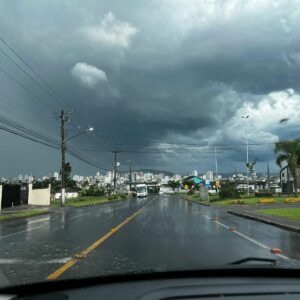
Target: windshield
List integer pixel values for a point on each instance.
(141, 189)
(153, 137)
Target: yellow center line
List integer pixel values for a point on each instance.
(57, 273)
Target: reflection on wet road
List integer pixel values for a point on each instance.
(155, 233)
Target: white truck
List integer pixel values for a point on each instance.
(141, 190)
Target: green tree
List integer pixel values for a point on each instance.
(68, 170)
(174, 184)
(289, 152)
(228, 191)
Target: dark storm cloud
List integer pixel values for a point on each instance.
(163, 71)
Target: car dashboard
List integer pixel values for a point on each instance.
(211, 287)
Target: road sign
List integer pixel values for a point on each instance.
(197, 180)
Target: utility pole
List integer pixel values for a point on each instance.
(247, 145)
(115, 168)
(247, 156)
(216, 162)
(130, 175)
(63, 149)
(268, 178)
(115, 171)
(63, 119)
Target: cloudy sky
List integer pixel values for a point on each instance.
(163, 81)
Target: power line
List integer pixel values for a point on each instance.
(40, 82)
(28, 137)
(29, 75)
(32, 70)
(84, 159)
(15, 109)
(49, 90)
(32, 136)
(19, 127)
(25, 87)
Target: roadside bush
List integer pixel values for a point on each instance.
(40, 185)
(236, 202)
(265, 200)
(264, 194)
(111, 197)
(93, 192)
(191, 192)
(292, 200)
(228, 191)
(215, 199)
(123, 196)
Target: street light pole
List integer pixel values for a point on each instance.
(115, 169)
(80, 133)
(115, 172)
(130, 175)
(63, 149)
(247, 146)
(216, 163)
(64, 118)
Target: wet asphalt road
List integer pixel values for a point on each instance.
(166, 233)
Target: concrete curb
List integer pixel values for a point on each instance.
(53, 207)
(262, 220)
(196, 202)
(111, 201)
(25, 217)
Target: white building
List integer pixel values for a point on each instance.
(194, 173)
(177, 177)
(108, 178)
(56, 175)
(68, 195)
(210, 175)
(78, 178)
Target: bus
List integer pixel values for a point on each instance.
(141, 190)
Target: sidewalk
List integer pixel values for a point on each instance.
(248, 212)
(21, 208)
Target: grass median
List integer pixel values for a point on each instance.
(288, 213)
(213, 200)
(87, 201)
(248, 201)
(22, 214)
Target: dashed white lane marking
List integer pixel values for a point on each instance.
(10, 261)
(23, 231)
(246, 237)
(29, 222)
(77, 216)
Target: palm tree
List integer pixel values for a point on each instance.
(289, 151)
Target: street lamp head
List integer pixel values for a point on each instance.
(284, 121)
(245, 117)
